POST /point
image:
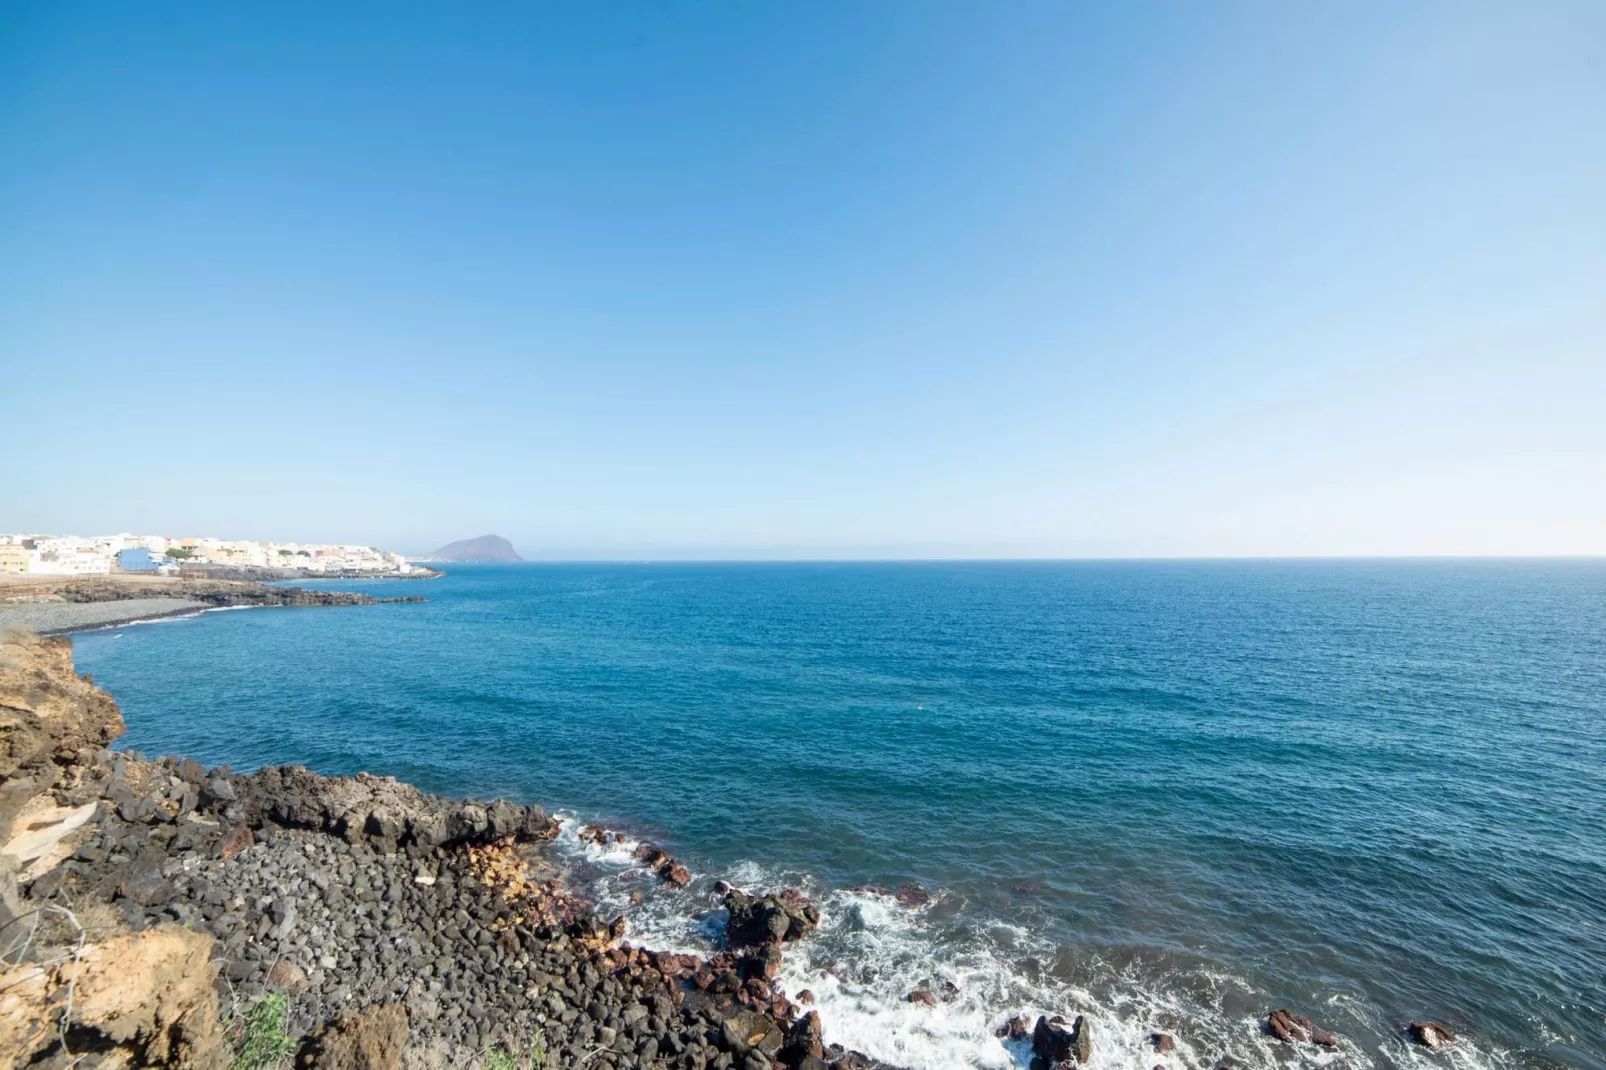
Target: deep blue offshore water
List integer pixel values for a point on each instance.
(1166, 794)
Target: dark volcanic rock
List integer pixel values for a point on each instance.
(912, 895)
(1434, 1036)
(660, 862)
(381, 811)
(747, 1031)
(221, 593)
(390, 918)
(1051, 1041)
(1082, 1040)
(769, 919)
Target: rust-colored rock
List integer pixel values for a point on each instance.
(235, 840)
(371, 1040)
(287, 975)
(803, 1039)
(921, 995)
(1434, 1036)
(1319, 1036)
(911, 894)
(1282, 1024)
(1164, 1043)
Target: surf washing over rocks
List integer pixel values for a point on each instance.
(904, 977)
(1166, 798)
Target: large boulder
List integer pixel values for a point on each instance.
(1051, 1041)
(769, 919)
(1282, 1024)
(747, 1030)
(1291, 1028)
(1082, 1040)
(1434, 1036)
(1056, 1045)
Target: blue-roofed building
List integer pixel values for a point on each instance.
(138, 559)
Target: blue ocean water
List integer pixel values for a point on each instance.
(1167, 795)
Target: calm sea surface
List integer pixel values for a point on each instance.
(1167, 795)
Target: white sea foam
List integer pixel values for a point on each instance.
(620, 854)
(871, 952)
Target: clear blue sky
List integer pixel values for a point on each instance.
(809, 279)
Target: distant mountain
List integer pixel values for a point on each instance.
(485, 550)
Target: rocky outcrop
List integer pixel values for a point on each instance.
(659, 861)
(1054, 1045)
(52, 721)
(218, 593)
(1290, 1028)
(908, 893)
(395, 924)
(769, 919)
(381, 811)
(1435, 1036)
(146, 998)
(50, 717)
(1285, 1027)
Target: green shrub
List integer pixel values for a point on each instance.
(263, 1043)
(533, 1057)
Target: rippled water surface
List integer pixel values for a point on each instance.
(1167, 795)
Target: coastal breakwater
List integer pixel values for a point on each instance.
(156, 905)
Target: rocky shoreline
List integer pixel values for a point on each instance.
(278, 575)
(157, 913)
(217, 594)
(398, 928)
(63, 606)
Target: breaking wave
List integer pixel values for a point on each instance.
(872, 951)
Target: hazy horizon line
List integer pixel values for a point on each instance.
(632, 560)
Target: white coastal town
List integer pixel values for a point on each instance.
(102, 555)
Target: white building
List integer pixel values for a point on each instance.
(63, 562)
(71, 555)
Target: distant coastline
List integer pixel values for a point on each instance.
(60, 605)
